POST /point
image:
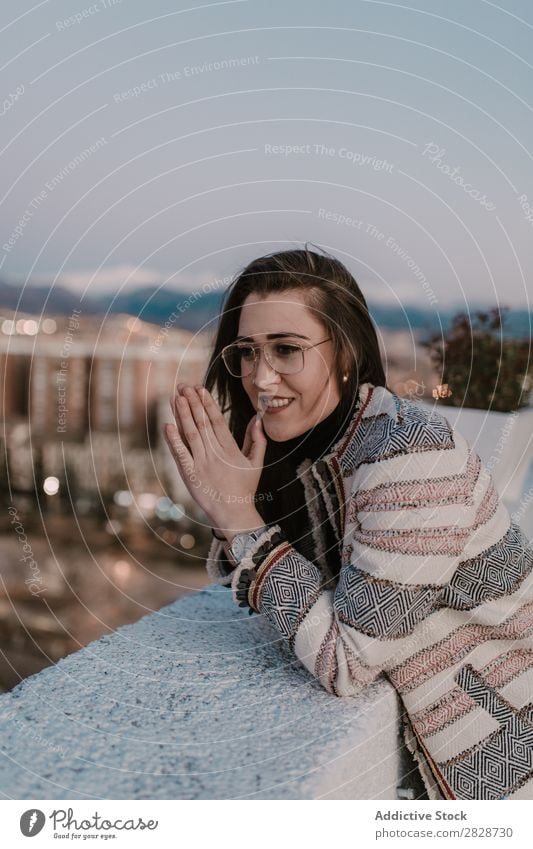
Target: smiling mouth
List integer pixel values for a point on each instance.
(275, 404)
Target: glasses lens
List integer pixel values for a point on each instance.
(239, 359)
(285, 357)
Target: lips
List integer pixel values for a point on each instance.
(266, 398)
(270, 409)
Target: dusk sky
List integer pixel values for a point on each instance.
(141, 143)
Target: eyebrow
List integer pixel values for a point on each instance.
(272, 336)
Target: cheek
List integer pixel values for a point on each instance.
(307, 391)
(247, 385)
(316, 390)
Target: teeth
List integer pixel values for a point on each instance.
(263, 400)
(278, 403)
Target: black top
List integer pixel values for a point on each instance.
(280, 493)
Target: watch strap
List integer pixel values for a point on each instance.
(246, 572)
(249, 538)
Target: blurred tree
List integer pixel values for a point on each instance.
(483, 369)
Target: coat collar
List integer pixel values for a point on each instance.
(339, 455)
(324, 479)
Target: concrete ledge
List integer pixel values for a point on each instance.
(197, 701)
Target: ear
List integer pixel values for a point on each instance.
(346, 364)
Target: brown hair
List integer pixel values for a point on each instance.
(333, 295)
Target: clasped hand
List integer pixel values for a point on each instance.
(218, 475)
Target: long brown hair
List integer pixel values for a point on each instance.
(334, 297)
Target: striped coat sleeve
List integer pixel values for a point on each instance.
(424, 530)
(217, 564)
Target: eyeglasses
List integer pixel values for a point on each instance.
(284, 357)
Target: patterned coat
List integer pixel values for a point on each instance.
(435, 591)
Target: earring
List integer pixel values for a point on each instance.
(345, 378)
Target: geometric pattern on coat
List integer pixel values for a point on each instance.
(504, 760)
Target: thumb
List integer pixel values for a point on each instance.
(259, 443)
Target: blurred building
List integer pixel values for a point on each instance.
(111, 528)
(86, 397)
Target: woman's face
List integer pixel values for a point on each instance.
(313, 390)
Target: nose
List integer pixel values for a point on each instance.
(263, 374)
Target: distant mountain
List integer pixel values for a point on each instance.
(32, 299)
(194, 310)
(518, 323)
(199, 310)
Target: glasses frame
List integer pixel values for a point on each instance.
(257, 348)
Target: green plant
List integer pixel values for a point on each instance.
(483, 369)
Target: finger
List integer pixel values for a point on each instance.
(257, 451)
(192, 436)
(172, 403)
(178, 449)
(247, 443)
(179, 391)
(216, 418)
(201, 419)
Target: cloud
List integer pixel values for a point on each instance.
(124, 278)
(111, 279)
(411, 293)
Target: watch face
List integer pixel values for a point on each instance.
(243, 541)
(237, 546)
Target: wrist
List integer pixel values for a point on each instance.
(249, 574)
(230, 527)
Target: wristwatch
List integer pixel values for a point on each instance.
(242, 543)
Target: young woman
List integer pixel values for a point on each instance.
(362, 526)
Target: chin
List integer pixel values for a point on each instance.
(280, 431)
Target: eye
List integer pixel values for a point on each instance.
(246, 352)
(286, 350)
